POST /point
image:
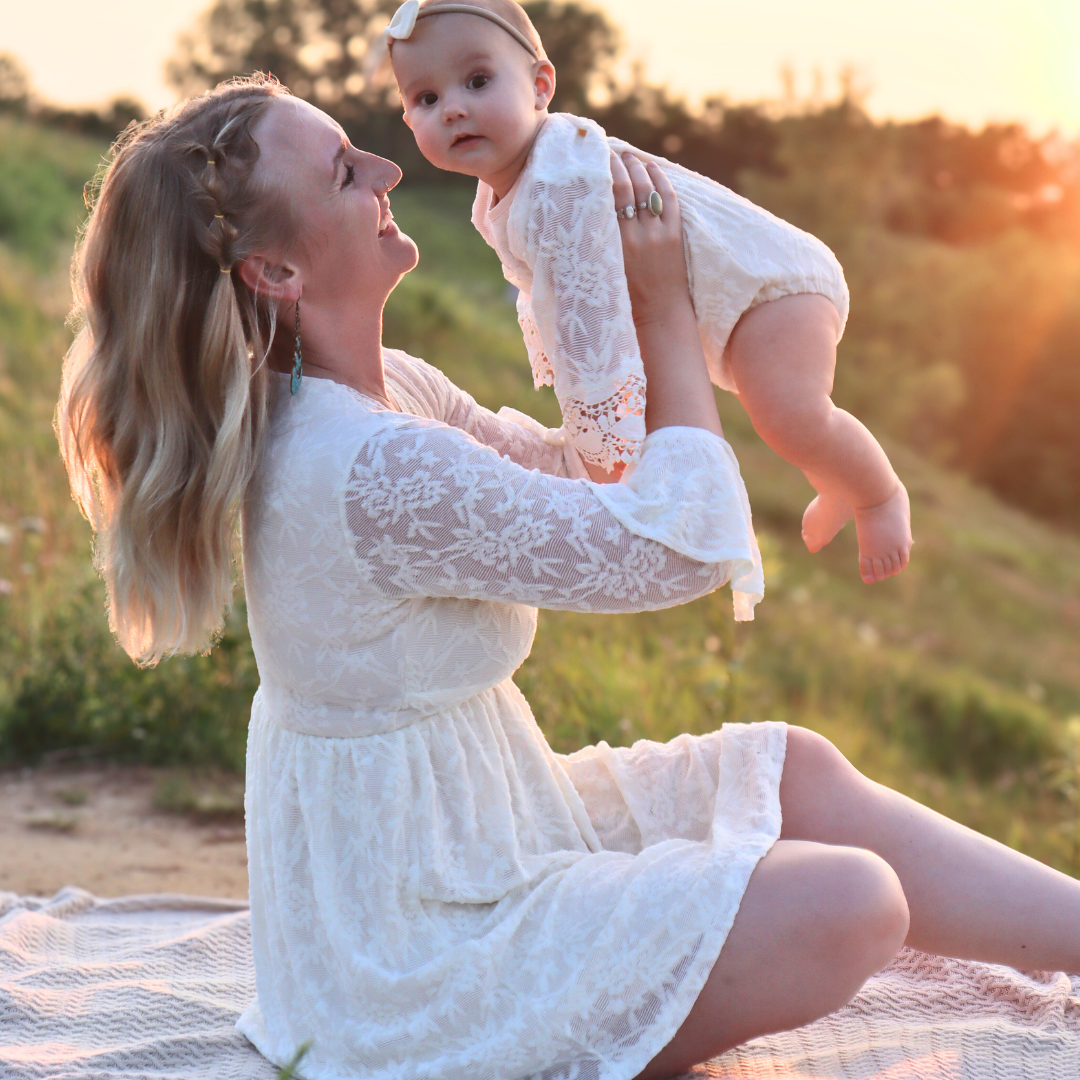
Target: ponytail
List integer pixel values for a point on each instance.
(165, 392)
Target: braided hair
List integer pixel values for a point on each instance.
(165, 392)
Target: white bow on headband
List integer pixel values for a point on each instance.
(404, 22)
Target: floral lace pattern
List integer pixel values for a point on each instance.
(434, 892)
(543, 375)
(558, 239)
(600, 426)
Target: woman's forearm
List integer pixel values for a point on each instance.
(678, 389)
(678, 392)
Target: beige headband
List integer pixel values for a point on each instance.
(404, 22)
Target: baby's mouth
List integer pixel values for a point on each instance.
(464, 140)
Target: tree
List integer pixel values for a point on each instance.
(581, 43)
(322, 50)
(14, 84)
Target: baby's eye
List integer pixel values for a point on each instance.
(350, 175)
(477, 82)
(427, 99)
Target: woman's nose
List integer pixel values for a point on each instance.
(383, 174)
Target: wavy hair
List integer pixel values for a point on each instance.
(165, 391)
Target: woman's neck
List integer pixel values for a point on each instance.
(345, 346)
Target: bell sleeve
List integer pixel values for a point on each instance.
(431, 512)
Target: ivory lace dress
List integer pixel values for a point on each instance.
(435, 893)
(558, 240)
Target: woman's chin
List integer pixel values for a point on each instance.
(399, 247)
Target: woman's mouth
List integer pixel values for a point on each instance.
(386, 223)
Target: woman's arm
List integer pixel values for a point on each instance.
(679, 393)
(432, 513)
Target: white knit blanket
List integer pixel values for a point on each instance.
(151, 986)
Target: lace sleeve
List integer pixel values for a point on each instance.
(512, 434)
(581, 307)
(432, 513)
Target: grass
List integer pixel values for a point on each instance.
(958, 682)
(206, 796)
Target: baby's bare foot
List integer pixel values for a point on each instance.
(823, 519)
(884, 536)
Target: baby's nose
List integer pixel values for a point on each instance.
(453, 109)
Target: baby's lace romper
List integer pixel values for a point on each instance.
(558, 238)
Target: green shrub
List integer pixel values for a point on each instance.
(960, 723)
(78, 693)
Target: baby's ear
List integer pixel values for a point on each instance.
(544, 83)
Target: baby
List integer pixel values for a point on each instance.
(475, 83)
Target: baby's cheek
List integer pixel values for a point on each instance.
(428, 143)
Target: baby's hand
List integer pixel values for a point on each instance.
(884, 533)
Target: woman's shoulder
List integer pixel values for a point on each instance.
(417, 388)
(323, 423)
(325, 411)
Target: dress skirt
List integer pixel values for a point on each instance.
(453, 899)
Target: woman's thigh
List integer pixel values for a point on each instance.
(815, 922)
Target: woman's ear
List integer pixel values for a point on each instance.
(274, 280)
(544, 84)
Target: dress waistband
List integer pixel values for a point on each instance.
(294, 712)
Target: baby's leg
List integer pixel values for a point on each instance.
(783, 355)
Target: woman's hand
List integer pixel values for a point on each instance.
(652, 245)
(678, 393)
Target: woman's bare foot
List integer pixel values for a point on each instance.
(884, 533)
(823, 519)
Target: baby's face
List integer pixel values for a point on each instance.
(473, 96)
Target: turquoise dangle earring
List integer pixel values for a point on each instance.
(298, 359)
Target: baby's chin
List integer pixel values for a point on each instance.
(478, 157)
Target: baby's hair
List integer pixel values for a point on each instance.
(512, 12)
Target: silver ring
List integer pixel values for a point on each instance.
(643, 206)
(628, 211)
(655, 204)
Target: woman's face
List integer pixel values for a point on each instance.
(348, 248)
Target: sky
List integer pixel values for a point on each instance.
(971, 60)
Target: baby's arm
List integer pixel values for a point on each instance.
(783, 355)
(570, 238)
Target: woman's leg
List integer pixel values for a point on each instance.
(969, 896)
(821, 913)
(815, 922)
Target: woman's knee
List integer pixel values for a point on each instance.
(867, 917)
(837, 909)
(818, 783)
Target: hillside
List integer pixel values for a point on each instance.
(958, 682)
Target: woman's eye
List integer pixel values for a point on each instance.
(427, 99)
(350, 175)
(477, 82)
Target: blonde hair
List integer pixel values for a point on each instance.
(512, 12)
(165, 391)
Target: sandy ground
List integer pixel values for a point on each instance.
(99, 828)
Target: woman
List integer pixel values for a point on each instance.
(433, 891)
